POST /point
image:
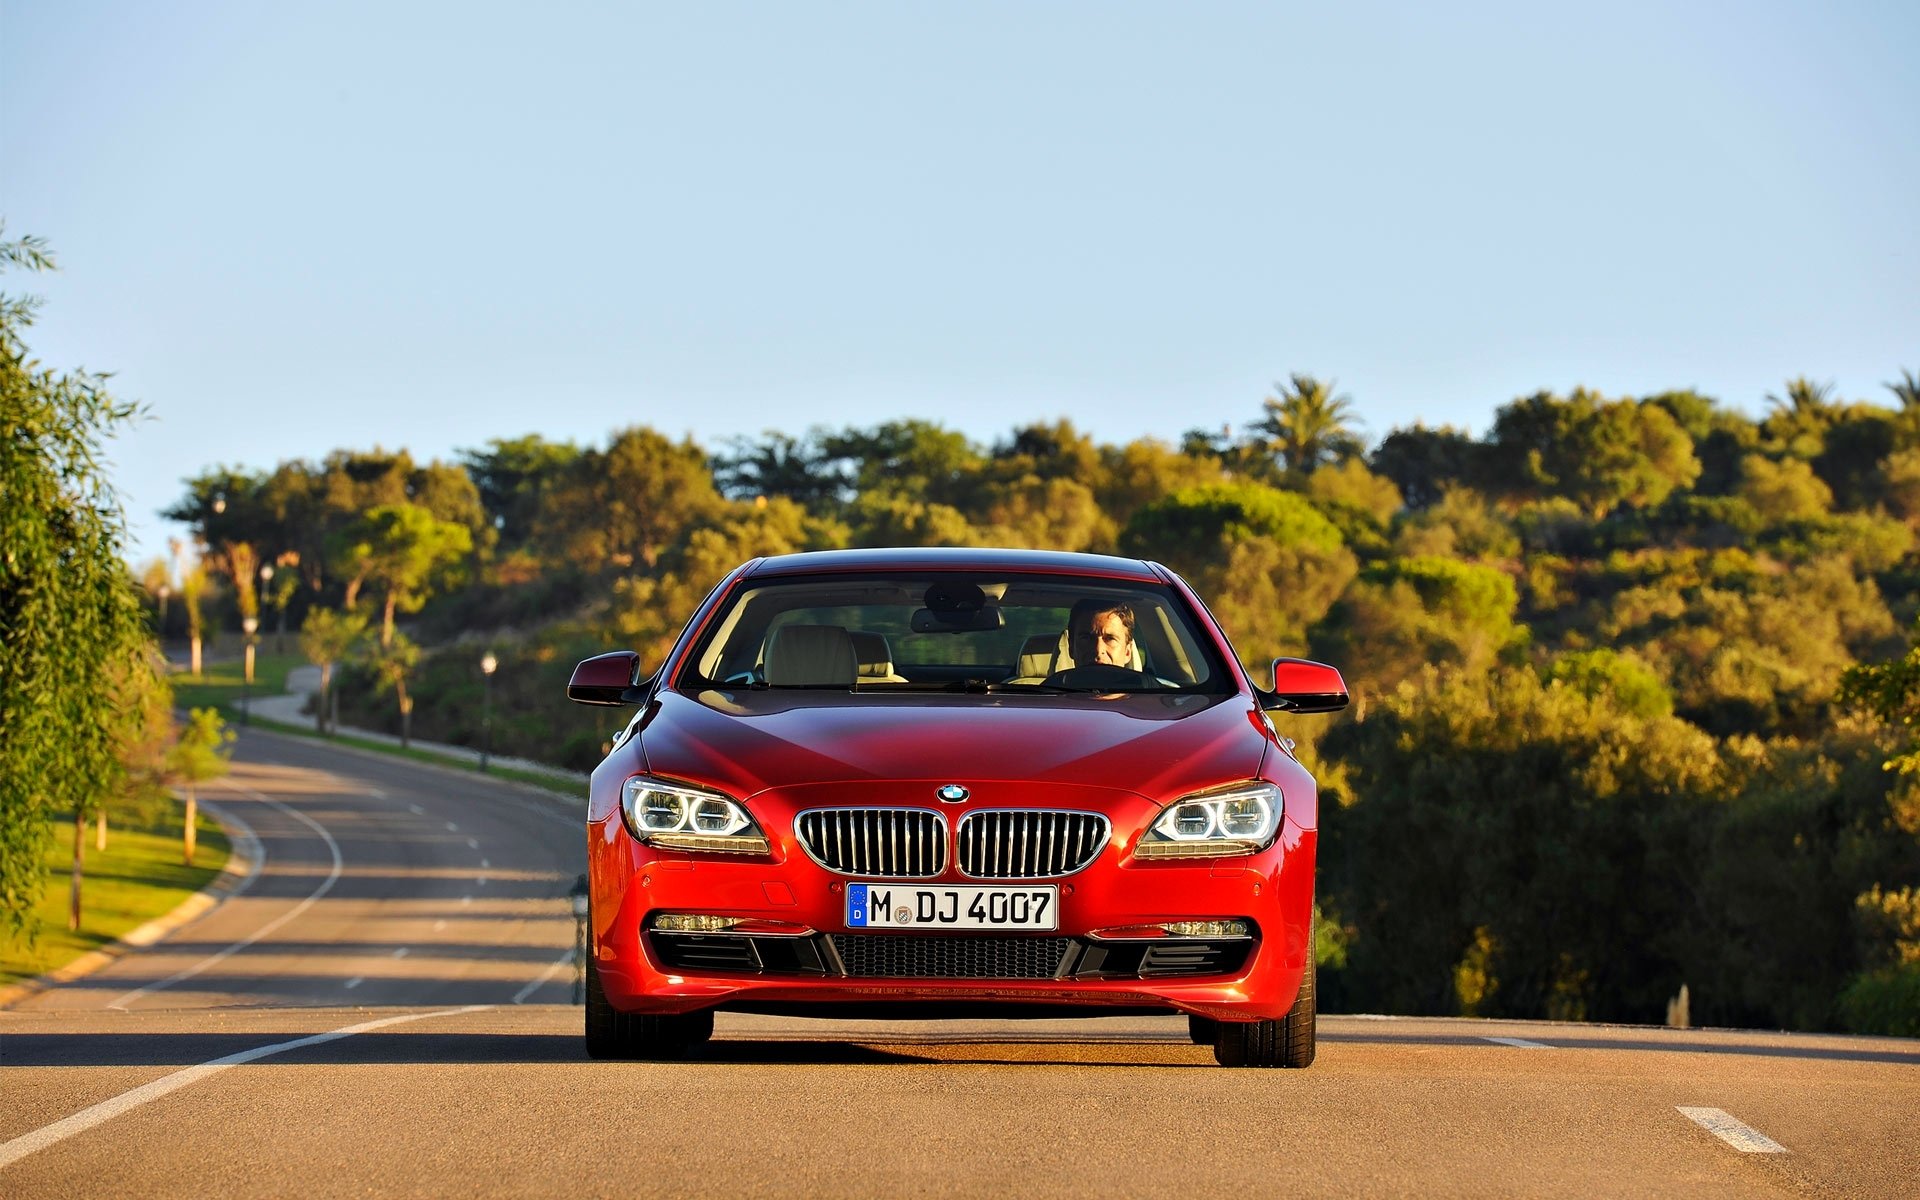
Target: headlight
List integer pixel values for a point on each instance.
(1236, 820)
(683, 818)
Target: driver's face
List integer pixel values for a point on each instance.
(1112, 644)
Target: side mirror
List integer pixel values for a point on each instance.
(1302, 686)
(608, 680)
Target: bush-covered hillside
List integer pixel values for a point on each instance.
(1627, 671)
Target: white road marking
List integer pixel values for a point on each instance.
(400, 953)
(376, 793)
(355, 982)
(465, 900)
(486, 864)
(563, 961)
(473, 843)
(439, 925)
(47, 1135)
(1521, 1043)
(1738, 1134)
(326, 885)
(452, 828)
(479, 881)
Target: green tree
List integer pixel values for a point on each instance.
(67, 602)
(404, 551)
(1782, 491)
(1423, 463)
(391, 663)
(1405, 613)
(1597, 453)
(1503, 848)
(1268, 562)
(628, 504)
(200, 754)
(779, 465)
(515, 479)
(327, 637)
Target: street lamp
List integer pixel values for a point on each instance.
(248, 625)
(266, 578)
(581, 902)
(488, 665)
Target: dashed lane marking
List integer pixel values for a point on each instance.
(400, 953)
(326, 885)
(452, 828)
(1520, 1043)
(473, 843)
(355, 982)
(48, 1135)
(1736, 1133)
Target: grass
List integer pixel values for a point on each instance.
(224, 682)
(138, 877)
(539, 779)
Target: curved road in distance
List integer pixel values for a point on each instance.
(383, 1011)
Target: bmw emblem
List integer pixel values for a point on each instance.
(953, 793)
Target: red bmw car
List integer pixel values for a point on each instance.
(945, 782)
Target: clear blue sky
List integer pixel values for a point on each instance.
(291, 228)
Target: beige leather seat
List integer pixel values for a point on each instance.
(873, 657)
(811, 656)
(1037, 655)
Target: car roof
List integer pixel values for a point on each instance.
(955, 558)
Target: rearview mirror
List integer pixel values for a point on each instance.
(971, 620)
(608, 680)
(1303, 686)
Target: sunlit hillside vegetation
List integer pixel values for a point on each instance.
(1627, 671)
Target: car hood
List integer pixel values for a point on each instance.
(745, 742)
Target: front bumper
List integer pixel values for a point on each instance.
(818, 965)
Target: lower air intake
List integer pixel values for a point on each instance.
(885, 956)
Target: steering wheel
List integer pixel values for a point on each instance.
(1101, 677)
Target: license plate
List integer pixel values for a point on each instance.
(904, 906)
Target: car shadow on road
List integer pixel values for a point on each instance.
(478, 1049)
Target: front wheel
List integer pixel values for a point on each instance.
(1287, 1042)
(615, 1034)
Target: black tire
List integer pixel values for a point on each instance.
(1287, 1042)
(1203, 1030)
(621, 1035)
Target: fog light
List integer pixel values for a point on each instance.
(695, 922)
(1209, 929)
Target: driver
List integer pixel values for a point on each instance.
(1103, 633)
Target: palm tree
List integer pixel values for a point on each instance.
(1308, 426)
(1907, 391)
(1804, 397)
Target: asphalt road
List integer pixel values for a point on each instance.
(383, 1011)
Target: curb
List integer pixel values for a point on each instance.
(243, 863)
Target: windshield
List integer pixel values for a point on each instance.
(956, 631)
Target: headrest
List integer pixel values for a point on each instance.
(871, 652)
(810, 656)
(1036, 655)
